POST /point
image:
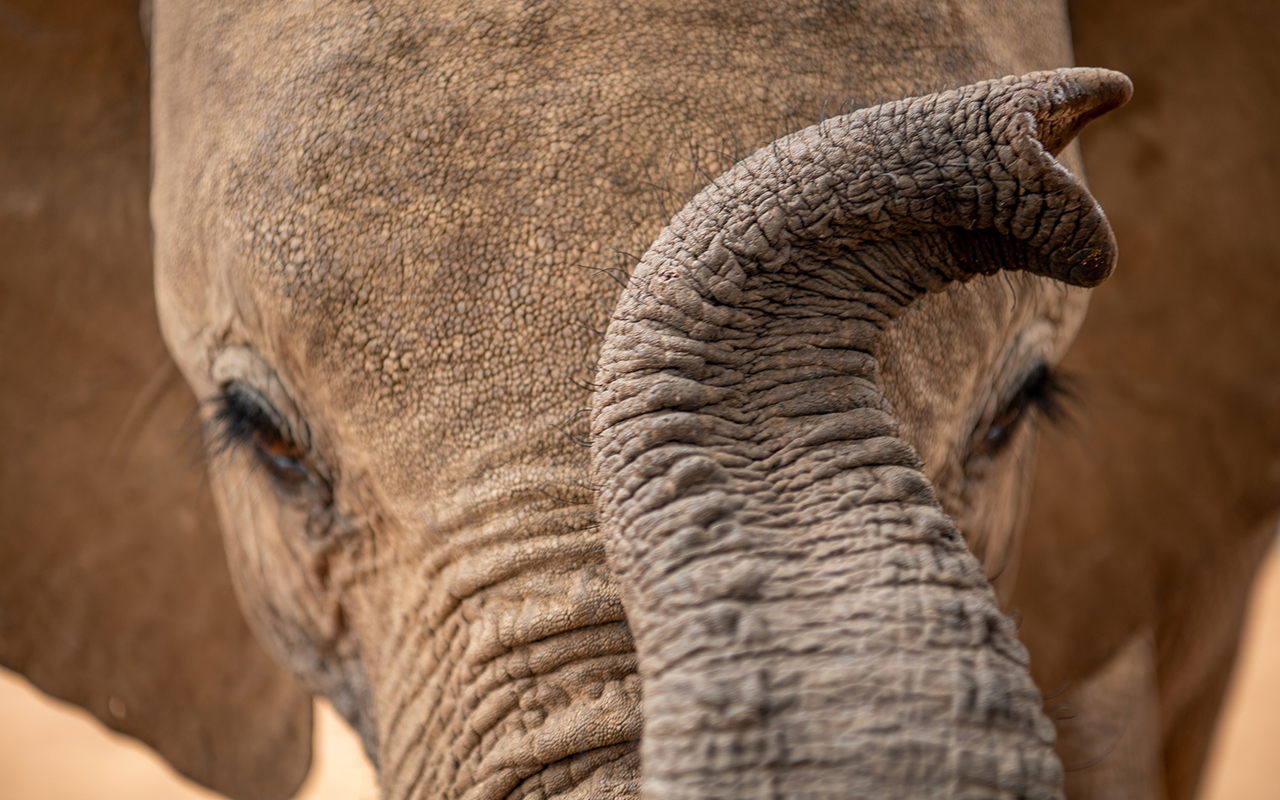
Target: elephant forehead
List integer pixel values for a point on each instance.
(413, 296)
(375, 258)
(393, 231)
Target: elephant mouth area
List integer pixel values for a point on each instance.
(527, 686)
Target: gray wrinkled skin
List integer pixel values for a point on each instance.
(391, 223)
(754, 485)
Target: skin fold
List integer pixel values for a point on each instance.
(391, 244)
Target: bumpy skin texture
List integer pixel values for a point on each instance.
(389, 222)
(1154, 509)
(114, 592)
(754, 488)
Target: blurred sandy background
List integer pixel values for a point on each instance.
(51, 751)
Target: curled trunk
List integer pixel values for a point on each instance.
(808, 621)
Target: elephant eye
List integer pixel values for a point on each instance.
(243, 418)
(1041, 391)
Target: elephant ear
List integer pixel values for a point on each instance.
(114, 590)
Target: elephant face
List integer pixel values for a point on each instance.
(388, 245)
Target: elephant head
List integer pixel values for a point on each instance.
(481, 523)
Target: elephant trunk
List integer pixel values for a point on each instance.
(808, 621)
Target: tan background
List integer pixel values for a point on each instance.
(52, 751)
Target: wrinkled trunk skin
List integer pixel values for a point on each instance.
(808, 621)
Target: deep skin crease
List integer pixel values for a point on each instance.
(395, 225)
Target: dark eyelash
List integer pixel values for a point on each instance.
(1042, 391)
(239, 419)
(243, 420)
(1047, 392)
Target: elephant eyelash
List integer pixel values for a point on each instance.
(1043, 391)
(243, 420)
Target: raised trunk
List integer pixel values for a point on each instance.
(808, 621)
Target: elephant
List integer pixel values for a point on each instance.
(483, 476)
